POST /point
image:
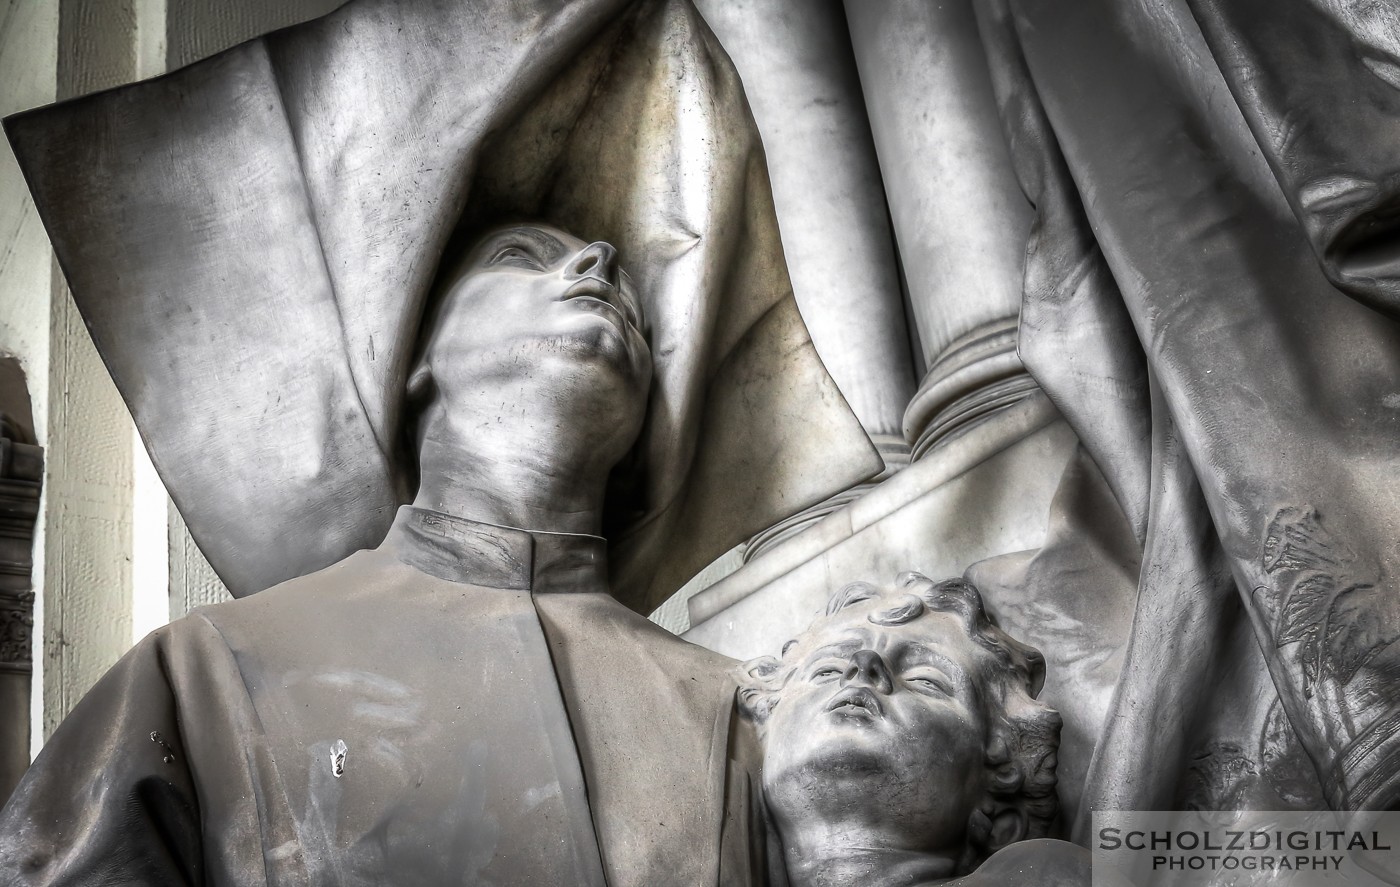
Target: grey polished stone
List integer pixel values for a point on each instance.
(509, 692)
(316, 314)
(1155, 424)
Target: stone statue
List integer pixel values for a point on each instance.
(1151, 263)
(465, 703)
(284, 295)
(904, 744)
(326, 336)
(1166, 297)
(564, 349)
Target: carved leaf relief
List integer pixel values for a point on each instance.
(16, 636)
(1337, 618)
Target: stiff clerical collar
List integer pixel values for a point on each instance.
(459, 550)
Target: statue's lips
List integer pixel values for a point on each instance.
(856, 702)
(593, 289)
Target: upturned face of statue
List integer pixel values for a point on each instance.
(901, 737)
(889, 718)
(537, 323)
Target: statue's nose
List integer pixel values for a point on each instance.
(868, 668)
(598, 259)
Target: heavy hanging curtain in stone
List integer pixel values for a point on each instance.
(1209, 294)
(252, 241)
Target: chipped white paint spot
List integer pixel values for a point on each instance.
(338, 752)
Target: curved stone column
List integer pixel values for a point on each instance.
(800, 77)
(976, 375)
(960, 218)
(961, 224)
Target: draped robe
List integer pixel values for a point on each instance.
(463, 704)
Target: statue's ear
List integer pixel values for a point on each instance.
(1009, 825)
(757, 687)
(996, 823)
(1020, 800)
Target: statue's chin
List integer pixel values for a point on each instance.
(595, 344)
(850, 774)
(861, 774)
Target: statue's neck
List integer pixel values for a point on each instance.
(844, 856)
(543, 484)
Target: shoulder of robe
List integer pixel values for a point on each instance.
(599, 621)
(305, 603)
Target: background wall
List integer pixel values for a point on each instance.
(28, 77)
(112, 560)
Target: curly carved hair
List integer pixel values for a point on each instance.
(1024, 733)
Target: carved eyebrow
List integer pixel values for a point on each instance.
(918, 654)
(540, 244)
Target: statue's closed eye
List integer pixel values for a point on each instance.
(927, 683)
(514, 255)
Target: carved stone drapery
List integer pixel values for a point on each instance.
(800, 77)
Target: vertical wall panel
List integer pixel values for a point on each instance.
(28, 77)
(193, 583)
(87, 564)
